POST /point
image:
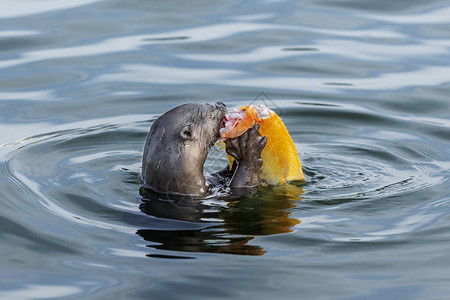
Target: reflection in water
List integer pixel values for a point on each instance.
(226, 228)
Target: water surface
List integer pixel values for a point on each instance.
(362, 87)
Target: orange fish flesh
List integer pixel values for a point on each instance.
(281, 161)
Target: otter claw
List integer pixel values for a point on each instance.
(261, 144)
(233, 148)
(255, 128)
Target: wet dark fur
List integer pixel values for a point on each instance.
(177, 146)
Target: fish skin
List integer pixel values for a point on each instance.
(281, 161)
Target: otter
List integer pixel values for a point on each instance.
(177, 146)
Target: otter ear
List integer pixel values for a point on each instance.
(186, 133)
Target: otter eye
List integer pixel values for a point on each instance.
(186, 133)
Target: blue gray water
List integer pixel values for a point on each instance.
(363, 87)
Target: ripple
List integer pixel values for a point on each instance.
(89, 178)
(14, 9)
(381, 163)
(44, 291)
(57, 164)
(208, 33)
(17, 33)
(362, 154)
(334, 179)
(429, 76)
(433, 16)
(134, 42)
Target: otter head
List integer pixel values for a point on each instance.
(177, 146)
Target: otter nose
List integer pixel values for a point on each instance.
(220, 105)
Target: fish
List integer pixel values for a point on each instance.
(281, 162)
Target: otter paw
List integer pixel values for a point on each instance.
(247, 148)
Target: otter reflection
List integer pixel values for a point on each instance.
(224, 228)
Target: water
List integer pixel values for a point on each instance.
(362, 87)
